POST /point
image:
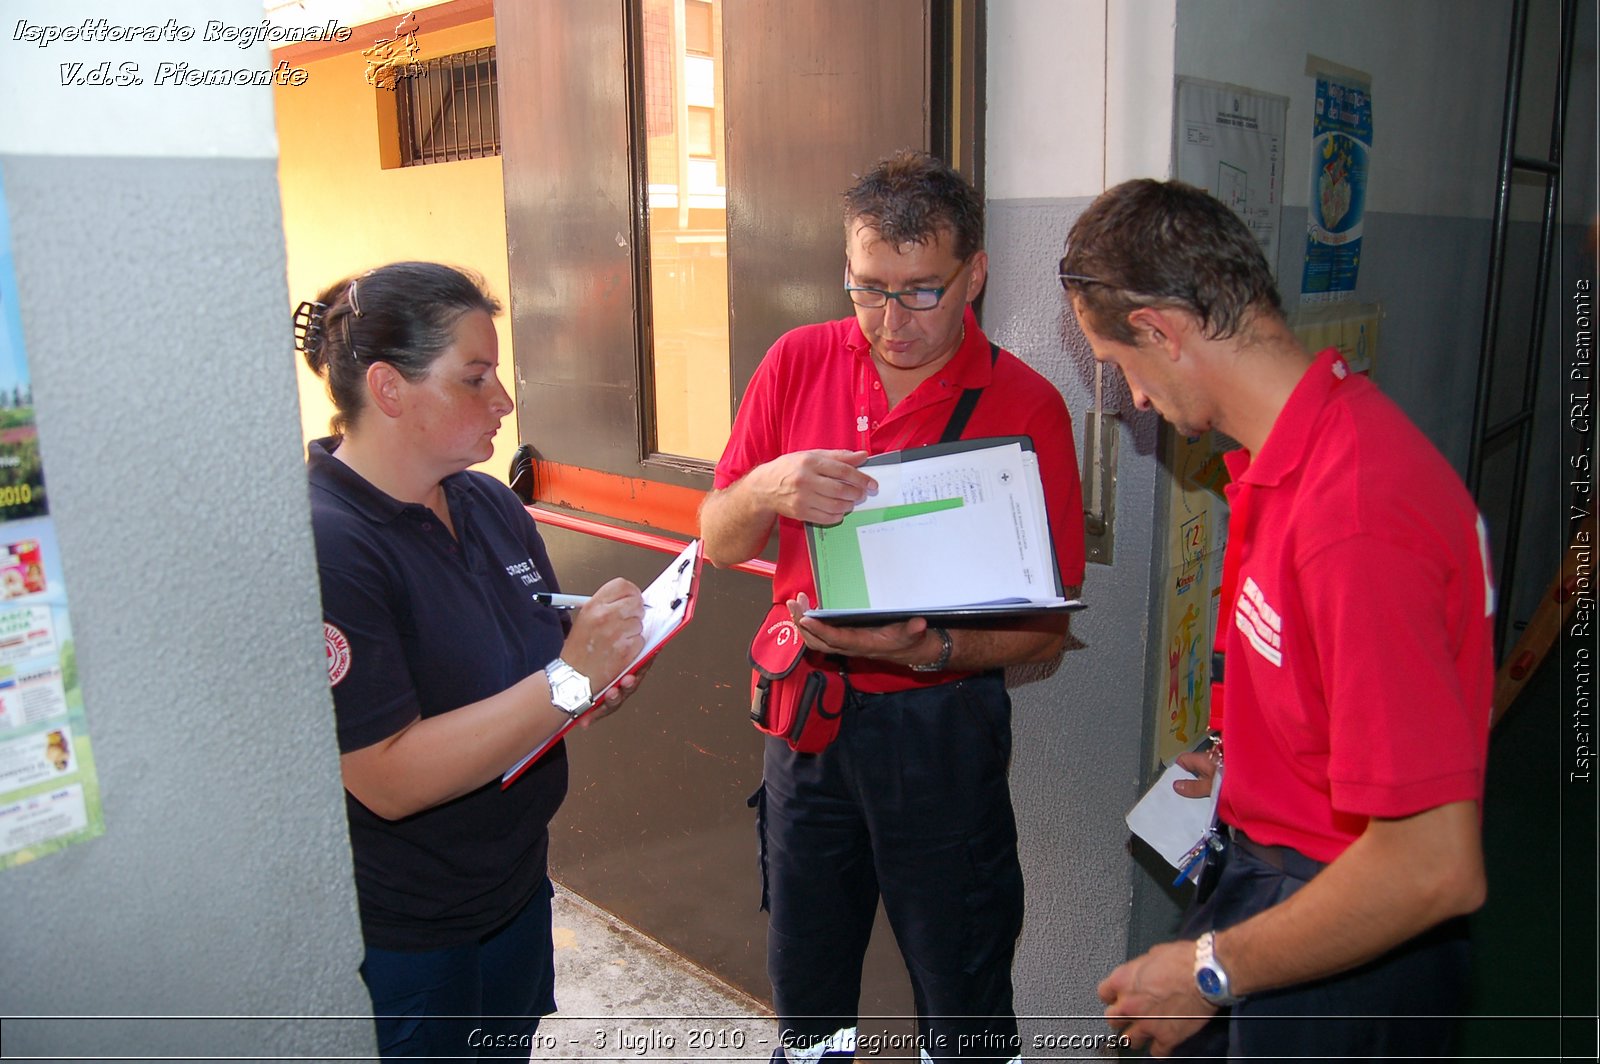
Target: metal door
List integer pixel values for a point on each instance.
(656, 829)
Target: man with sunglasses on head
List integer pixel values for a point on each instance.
(911, 799)
(1356, 666)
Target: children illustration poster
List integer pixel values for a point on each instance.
(1197, 535)
(1341, 141)
(49, 794)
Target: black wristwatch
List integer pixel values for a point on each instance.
(938, 664)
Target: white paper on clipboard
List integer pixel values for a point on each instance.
(972, 511)
(668, 607)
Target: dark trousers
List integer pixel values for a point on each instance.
(482, 998)
(911, 802)
(1400, 1006)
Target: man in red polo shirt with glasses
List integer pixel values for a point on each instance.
(1356, 628)
(911, 798)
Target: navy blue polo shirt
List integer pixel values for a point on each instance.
(419, 622)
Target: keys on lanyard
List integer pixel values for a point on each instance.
(1211, 842)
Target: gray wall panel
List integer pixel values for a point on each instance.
(1078, 732)
(1429, 273)
(155, 313)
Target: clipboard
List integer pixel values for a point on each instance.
(952, 514)
(974, 614)
(669, 604)
(935, 450)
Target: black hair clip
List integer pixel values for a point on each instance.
(308, 326)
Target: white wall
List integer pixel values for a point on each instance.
(1140, 57)
(1079, 96)
(1080, 91)
(140, 120)
(1046, 99)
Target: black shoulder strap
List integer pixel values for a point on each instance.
(964, 405)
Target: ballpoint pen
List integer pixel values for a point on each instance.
(560, 602)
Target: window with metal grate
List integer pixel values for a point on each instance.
(448, 109)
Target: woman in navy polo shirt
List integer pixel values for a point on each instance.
(444, 670)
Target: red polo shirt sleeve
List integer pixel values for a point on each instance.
(1403, 734)
(755, 437)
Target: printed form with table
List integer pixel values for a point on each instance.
(955, 530)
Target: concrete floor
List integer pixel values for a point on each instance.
(623, 996)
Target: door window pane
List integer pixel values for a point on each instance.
(703, 134)
(686, 212)
(698, 34)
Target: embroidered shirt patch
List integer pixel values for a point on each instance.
(338, 653)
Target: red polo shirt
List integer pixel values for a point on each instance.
(1356, 622)
(819, 389)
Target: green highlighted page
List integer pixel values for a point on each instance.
(836, 553)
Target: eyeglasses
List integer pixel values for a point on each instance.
(910, 299)
(1070, 279)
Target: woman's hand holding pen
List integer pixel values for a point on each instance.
(607, 634)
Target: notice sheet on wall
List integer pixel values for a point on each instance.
(1230, 143)
(49, 794)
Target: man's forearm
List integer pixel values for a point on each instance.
(1398, 879)
(977, 649)
(734, 526)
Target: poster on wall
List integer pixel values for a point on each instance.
(1229, 140)
(1352, 329)
(49, 794)
(1197, 536)
(1341, 143)
(1230, 143)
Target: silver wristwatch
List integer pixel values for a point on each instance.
(1209, 978)
(937, 664)
(569, 688)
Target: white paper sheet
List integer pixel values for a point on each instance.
(927, 560)
(1169, 822)
(993, 546)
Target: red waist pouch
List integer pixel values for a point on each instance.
(796, 694)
